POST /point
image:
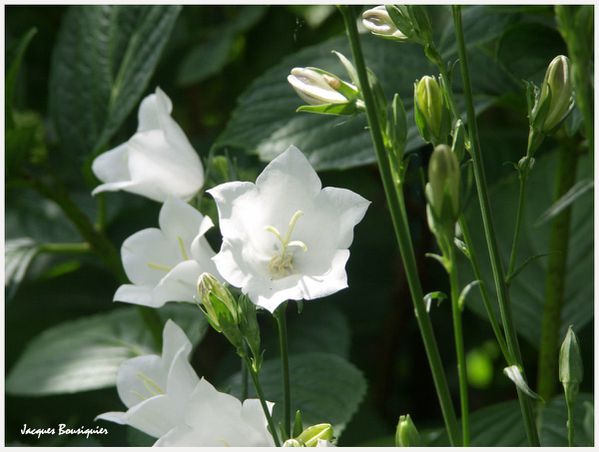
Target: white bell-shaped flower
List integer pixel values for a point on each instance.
(284, 237)
(165, 264)
(157, 161)
(156, 388)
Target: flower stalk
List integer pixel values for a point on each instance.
(396, 203)
(281, 319)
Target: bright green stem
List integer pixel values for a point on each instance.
(64, 248)
(523, 176)
(284, 352)
(485, 207)
(459, 344)
(260, 394)
(570, 423)
(556, 276)
(397, 208)
(244, 380)
(100, 245)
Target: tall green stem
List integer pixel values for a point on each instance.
(397, 208)
(260, 394)
(556, 276)
(570, 424)
(284, 352)
(485, 207)
(459, 344)
(523, 176)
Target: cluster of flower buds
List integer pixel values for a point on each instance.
(443, 192)
(430, 111)
(549, 105)
(406, 434)
(399, 23)
(319, 435)
(324, 92)
(235, 319)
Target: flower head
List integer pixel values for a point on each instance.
(165, 264)
(378, 22)
(212, 418)
(316, 88)
(557, 89)
(157, 161)
(155, 388)
(284, 237)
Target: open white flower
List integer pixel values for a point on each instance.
(213, 418)
(157, 162)
(285, 238)
(156, 388)
(165, 264)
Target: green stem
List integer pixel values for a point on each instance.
(244, 380)
(64, 248)
(523, 176)
(459, 344)
(570, 423)
(260, 394)
(397, 208)
(485, 207)
(556, 277)
(284, 352)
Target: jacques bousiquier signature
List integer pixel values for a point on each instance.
(62, 429)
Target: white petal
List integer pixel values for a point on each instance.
(334, 280)
(270, 293)
(111, 166)
(206, 401)
(232, 265)
(238, 198)
(141, 295)
(182, 379)
(148, 256)
(139, 379)
(253, 415)
(154, 416)
(118, 417)
(174, 339)
(152, 107)
(180, 221)
(202, 253)
(181, 435)
(179, 284)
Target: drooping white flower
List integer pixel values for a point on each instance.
(157, 161)
(165, 264)
(156, 388)
(315, 88)
(284, 237)
(213, 418)
(378, 21)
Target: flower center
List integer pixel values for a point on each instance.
(281, 264)
(150, 385)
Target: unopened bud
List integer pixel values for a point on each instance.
(311, 436)
(444, 182)
(570, 365)
(316, 88)
(431, 114)
(378, 22)
(292, 443)
(406, 434)
(557, 90)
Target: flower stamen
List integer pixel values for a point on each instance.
(281, 264)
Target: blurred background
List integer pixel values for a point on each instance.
(214, 55)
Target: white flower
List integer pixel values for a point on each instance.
(165, 264)
(285, 238)
(378, 21)
(316, 88)
(155, 388)
(157, 162)
(213, 418)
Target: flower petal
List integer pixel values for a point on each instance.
(235, 200)
(154, 416)
(153, 107)
(140, 378)
(181, 222)
(174, 339)
(179, 284)
(141, 295)
(182, 379)
(111, 166)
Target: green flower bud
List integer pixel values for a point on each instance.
(292, 443)
(555, 99)
(431, 114)
(444, 182)
(570, 365)
(406, 434)
(310, 436)
(220, 309)
(248, 324)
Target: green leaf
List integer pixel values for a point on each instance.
(205, 59)
(11, 75)
(577, 190)
(85, 354)
(501, 425)
(527, 290)
(18, 254)
(102, 63)
(265, 121)
(325, 387)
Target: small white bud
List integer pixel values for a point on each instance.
(378, 21)
(315, 88)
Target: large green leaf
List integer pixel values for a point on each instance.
(326, 387)
(501, 425)
(528, 288)
(265, 121)
(85, 354)
(103, 60)
(18, 254)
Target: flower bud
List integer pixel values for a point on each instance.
(570, 365)
(444, 182)
(316, 88)
(248, 325)
(431, 114)
(292, 443)
(220, 309)
(311, 436)
(557, 90)
(406, 434)
(378, 21)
